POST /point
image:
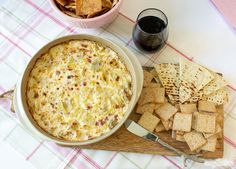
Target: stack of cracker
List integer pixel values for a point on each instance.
(187, 99)
(85, 8)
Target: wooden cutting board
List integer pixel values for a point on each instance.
(125, 141)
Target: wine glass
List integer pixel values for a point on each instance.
(150, 32)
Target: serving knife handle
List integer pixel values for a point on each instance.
(180, 153)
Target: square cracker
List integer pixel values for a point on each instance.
(179, 137)
(149, 107)
(211, 144)
(160, 128)
(152, 95)
(206, 106)
(204, 122)
(159, 93)
(188, 108)
(166, 111)
(182, 122)
(148, 121)
(217, 131)
(144, 97)
(167, 124)
(195, 140)
(88, 7)
(147, 78)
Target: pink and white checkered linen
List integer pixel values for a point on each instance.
(25, 26)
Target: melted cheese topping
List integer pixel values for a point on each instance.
(78, 90)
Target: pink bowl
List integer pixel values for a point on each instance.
(90, 22)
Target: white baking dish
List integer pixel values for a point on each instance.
(20, 103)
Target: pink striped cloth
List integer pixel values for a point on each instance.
(228, 9)
(26, 25)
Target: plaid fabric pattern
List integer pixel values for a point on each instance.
(26, 25)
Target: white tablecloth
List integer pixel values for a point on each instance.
(196, 31)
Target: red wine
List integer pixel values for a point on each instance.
(150, 33)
